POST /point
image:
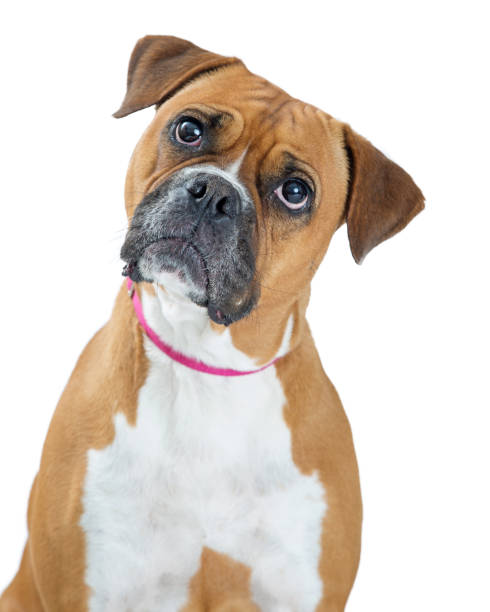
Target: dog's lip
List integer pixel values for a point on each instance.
(216, 312)
(187, 240)
(187, 249)
(132, 259)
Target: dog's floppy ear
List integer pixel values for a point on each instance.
(160, 65)
(382, 197)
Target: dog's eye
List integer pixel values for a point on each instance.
(293, 193)
(189, 132)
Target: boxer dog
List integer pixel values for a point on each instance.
(199, 458)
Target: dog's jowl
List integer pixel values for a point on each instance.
(199, 458)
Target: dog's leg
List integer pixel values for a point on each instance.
(21, 595)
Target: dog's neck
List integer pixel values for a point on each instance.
(187, 328)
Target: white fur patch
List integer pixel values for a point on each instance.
(208, 463)
(234, 167)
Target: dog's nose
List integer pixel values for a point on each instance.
(215, 193)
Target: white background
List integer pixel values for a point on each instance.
(404, 337)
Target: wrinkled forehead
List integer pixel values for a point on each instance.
(258, 118)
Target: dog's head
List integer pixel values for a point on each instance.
(235, 189)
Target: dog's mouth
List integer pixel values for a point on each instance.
(182, 258)
(174, 255)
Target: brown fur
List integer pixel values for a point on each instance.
(355, 182)
(322, 442)
(160, 65)
(382, 200)
(221, 582)
(105, 380)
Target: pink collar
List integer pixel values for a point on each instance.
(189, 362)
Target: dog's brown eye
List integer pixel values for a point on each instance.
(293, 193)
(189, 131)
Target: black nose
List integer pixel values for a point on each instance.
(216, 194)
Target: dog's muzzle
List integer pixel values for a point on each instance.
(199, 226)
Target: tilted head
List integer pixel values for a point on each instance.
(236, 188)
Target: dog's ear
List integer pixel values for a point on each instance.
(382, 197)
(160, 65)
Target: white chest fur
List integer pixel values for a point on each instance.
(208, 463)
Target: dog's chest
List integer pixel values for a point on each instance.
(208, 464)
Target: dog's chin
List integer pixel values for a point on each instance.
(182, 271)
(177, 264)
